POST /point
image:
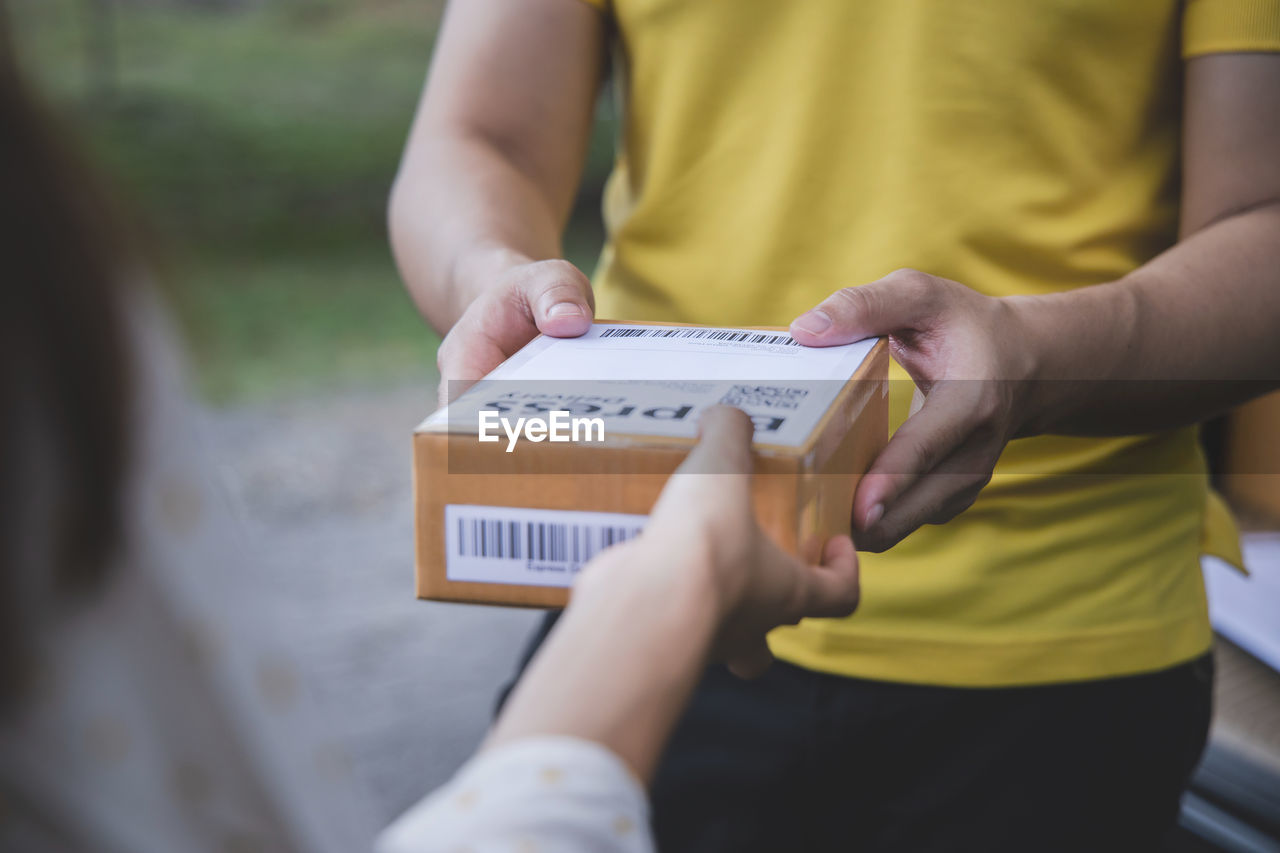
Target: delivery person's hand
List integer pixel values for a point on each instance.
(703, 533)
(968, 355)
(552, 297)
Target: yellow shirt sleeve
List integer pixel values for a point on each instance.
(1230, 26)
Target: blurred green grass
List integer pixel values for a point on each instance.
(258, 143)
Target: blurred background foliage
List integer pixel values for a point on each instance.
(256, 140)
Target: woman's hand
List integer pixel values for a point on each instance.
(702, 582)
(972, 358)
(702, 541)
(526, 298)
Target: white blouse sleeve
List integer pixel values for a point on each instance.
(536, 795)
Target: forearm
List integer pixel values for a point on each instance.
(1185, 337)
(619, 667)
(461, 212)
(492, 163)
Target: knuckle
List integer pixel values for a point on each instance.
(965, 500)
(875, 542)
(515, 301)
(558, 280)
(852, 301)
(948, 510)
(979, 481)
(920, 287)
(559, 272)
(910, 277)
(444, 354)
(555, 291)
(557, 266)
(850, 599)
(989, 432)
(924, 287)
(978, 429)
(934, 447)
(985, 409)
(726, 523)
(906, 274)
(957, 503)
(852, 295)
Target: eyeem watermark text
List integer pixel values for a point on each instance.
(559, 425)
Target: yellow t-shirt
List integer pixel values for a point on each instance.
(776, 150)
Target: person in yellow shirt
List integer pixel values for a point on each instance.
(1064, 214)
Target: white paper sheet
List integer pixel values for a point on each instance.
(1246, 610)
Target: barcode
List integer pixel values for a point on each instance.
(508, 539)
(531, 547)
(732, 335)
(765, 397)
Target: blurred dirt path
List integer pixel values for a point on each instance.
(324, 485)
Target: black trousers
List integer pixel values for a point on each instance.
(800, 761)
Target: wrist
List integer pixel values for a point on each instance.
(1072, 341)
(480, 265)
(675, 594)
(1031, 317)
(619, 667)
(478, 268)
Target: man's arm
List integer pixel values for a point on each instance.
(489, 176)
(1204, 317)
(1189, 334)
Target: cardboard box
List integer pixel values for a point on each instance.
(1251, 475)
(511, 522)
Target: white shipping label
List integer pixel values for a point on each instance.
(613, 351)
(530, 547)
(656, 380)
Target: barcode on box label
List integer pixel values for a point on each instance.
(737, 336)
(765, 397)
(530, 547)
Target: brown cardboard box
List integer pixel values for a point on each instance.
(1251, 476)
(513, 528)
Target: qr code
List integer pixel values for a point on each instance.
(764, 397)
